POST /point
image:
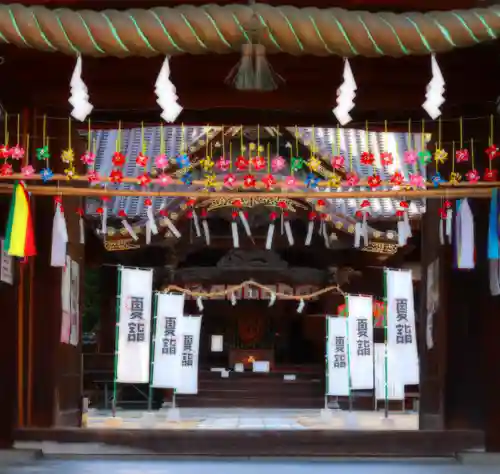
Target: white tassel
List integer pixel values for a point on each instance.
(233, 298)
(310, 230)
(441, 232)
(151, 220)
(206, 231)
(406, 220)
(301, 306)
(434, 98)
(244, 221)
(289, 234)
(272, 299)
(236, 237)
(282, 224)
(104, 220)
(465, 237)
(401, 234)
(270, 234)
(129, 229)
(199, 303)
(59, 238)
(81, 224)
(345, 96)
(364, 228)
(79, 98)
(166, 93)
(196, 223)
(171, 227)
(148, 233)
(449, 224)
(357, 235)
(325, 235)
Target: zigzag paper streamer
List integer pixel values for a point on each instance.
(79, 98)
(345, 96)
(434, 98)
(166, 93)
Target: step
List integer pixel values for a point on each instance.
(194, 401)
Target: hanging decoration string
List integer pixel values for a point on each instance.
(69, 132)
(6, 129)
(162, 143)
(409, 135)
(183, 142)
(439, 142)
(45, 142)
(350, 154)
(118, 137)
(143, 143)
(423, 136)
(223, 143)
(367, 137)
(277, 140)
(492, 140)
(385, 137)
(89, 136)
(18, 129)
(453, 156)
(338, 140)
(249, 283)
(242, 148)
(269, 158)
(461, 134)
(472, 154)
(230, 156)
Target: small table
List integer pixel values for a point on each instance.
(248, 356)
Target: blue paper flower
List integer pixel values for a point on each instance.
(437, 180)
(183, 161)
(312, 180)
(187, 178)
(46, 174)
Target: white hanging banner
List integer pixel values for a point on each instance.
(74, 302)
(66, 302)
(360, 314)
(134, 325)
(395, 389)
(401, 331)
(167, 354)
(190, 344)
(338, 368)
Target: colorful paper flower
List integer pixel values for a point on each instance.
(68, 156)
(4, 151)
(241, 163)
(297, 163)
(269, 181)
(223, 164)
(278, 163)
(440, 156)
(118, 158)
(93, 177)
(6, 169)
(335, 181)
(492, 152)
(338, 162)
(417, 181)
(259, 163)
(352, 179)
(249, 181)
(229, 180)
(210, 180)
(425, 157)
(290, 181)
(397, 179)
(42, 153)
(314, 163)
(374, 181)
(88, 158)
(490, 174)
(462, 156)
(472, 176)
(207, 163)
(386, 158)
(437, 179)
(183, 161)
(116, 176)
(367, 158)
(311, 180)
(141, 160)
(455, 178)
(187, 178)
(161, 162)
(164, 179)
(410, 157)
(27, 171)
(17, 152)
(46, 174)
(143, 180)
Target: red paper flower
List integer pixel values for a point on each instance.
(93, 176)
(241, 163)
(273, 216)
(148, 202)
(249, 181)
(141, 160)
(386, 158)
(352, 179)
(259, 163)
(6, 169)
(397, 179)
(144, 179)
(374, 181)
(99, 210)
(269, 181)
(118, 159)
(312, 215)
(190, 202)
(492, 151)
(472, 176)
(237, 203)
(367, 158)
(164, 179)
(4, 151)
(462, 155)
(116, 176)
(282, 205)
(490, 174)
(338, 162)
(320, 203)
(229, 180)
(122, 214)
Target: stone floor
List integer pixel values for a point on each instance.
(248, 419)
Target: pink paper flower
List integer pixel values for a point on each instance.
(17, 152)
(88, 158)
(290, 181)
(223, 163)
(338, 162)
(410, 157)
(417, 181)
(229, 180)
(27, 171)
(93, 176)
(278, 163)
(352, 179)
(165, 179)
(161, 161)
(472, 176)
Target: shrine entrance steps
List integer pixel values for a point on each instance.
(257, 390)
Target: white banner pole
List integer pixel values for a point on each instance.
(117, 334)
(152, 353)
